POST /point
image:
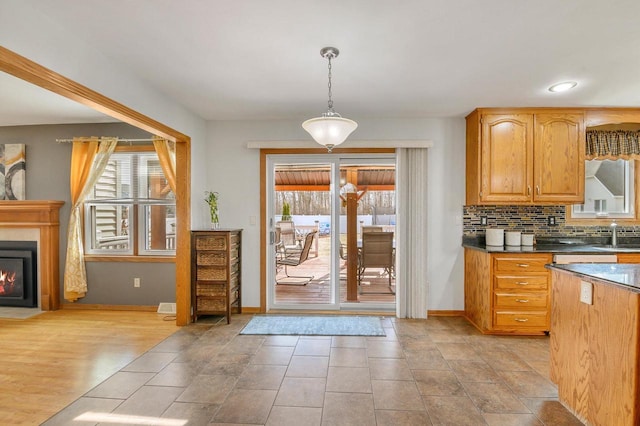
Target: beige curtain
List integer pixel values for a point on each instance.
(166, 151)
(613, 145)
(412, 271)
(89, 158)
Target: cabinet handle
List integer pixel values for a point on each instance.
(528, 189)
(538, 189)
(522, 283)
(522, 300)
(522, 319)
(480, 194)
(523, 265)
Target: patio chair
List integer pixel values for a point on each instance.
(376, 252)
(286, 257)
(370, 228)
(286, 232)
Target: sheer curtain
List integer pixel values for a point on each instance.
(411, 228)
(89, 158)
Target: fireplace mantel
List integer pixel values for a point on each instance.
(43, 215)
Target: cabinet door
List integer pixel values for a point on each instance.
(507, 158)
(559, 147)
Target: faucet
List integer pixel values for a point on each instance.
(614, 234)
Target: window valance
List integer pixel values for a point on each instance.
(613, 144)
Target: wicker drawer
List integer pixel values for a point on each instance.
(521, 264)
(234, 240)
(211, 242)
(521, 301)
(207, 304)
(211, 289)
(522, 319)
(211, 273)
(215, 258)
(522, 282)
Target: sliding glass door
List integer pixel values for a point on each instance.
(309, 223)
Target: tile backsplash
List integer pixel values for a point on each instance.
(533, 219)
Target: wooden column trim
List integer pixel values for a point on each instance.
(44, 216)
(352, 247)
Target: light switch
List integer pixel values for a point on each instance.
(252, 220)
(586, 292)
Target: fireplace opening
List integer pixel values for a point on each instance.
(18, 274)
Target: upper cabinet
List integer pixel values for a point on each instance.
(525, 156)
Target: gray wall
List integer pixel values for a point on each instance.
(47, 176)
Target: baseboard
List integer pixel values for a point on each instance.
(96, 307)
(250, 310)
(445, 313)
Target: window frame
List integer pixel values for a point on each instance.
(607, 220)
(135, 253)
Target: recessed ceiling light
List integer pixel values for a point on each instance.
(563, 87)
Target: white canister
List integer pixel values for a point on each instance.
(512, 238)
(527, 239)
(495, 237)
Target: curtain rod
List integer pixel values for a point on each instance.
(119, 140)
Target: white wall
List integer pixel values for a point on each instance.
(233, 171)
(29, 33)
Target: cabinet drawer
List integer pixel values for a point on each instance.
(521, 301)
(211, 273)
(211, 289)
(208, 304)
(520, 319)
(521, 282)
(521, 264)
(216, 258)
(211, 242)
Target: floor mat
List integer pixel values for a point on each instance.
(311, 325)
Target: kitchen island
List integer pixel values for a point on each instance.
(595, 347)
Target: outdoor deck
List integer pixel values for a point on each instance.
(374, 289)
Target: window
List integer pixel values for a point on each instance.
(131, 209)
(609, 192)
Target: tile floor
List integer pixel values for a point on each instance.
(439, 371)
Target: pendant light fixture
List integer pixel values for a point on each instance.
(330, 129)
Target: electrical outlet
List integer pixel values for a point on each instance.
(483, 220)
(586, 292)
(136, 282)
(551, 220)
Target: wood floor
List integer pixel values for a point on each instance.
(50, 360)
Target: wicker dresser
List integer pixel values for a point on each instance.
(215, 272)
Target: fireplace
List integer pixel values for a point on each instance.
(18, 273)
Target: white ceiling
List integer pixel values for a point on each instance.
(257, 59)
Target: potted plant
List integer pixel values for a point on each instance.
(286, 211)
(212, 200)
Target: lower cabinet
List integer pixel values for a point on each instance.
(507, 293)
(595, 350)
(215, 273)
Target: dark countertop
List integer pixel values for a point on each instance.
(620, 274)
(559, 245)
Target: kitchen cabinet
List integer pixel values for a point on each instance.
(216, 273)
(595, 349)
(507, 293)
(525, 156)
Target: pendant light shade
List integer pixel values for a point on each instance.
(330, 129)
